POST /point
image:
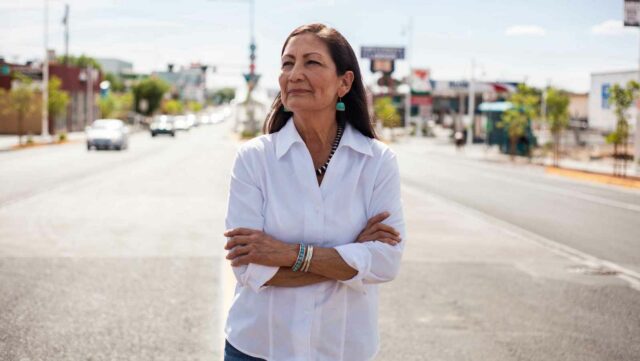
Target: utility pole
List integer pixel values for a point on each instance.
(89, 95)
(472, 102)
(631, 15)
(636, 145)
(407, 101)
(251, 77)
(65, 22)
(45, 75)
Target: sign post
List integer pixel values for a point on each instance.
(420, 96)
(632, 18)
(382, 60)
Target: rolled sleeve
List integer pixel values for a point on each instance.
(254, 275)
(245, 210)
(375, 261)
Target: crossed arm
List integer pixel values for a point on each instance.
(253, 246)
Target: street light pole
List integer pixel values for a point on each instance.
(407, 103)
(472, 102)
(45, 75)
(252, 77)
(637, 132)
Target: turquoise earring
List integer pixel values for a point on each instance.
(340, 105)
(285, 109)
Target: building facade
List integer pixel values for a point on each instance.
(82, 85)
(601, 115)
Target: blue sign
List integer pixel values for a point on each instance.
(605, 96)
(374, 52)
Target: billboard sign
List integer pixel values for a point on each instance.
(631, 12)
(376, 52)
(420, 81)
(605, 95)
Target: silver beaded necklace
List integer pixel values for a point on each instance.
(322, 170)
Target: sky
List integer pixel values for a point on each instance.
(555, 42)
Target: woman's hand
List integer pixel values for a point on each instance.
(377, 231)
(252, 246)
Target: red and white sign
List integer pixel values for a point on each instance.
(420, 81)
(421, 100)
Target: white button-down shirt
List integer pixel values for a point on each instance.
(274, 189)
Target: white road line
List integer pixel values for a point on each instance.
(630, 276)
(566, 192)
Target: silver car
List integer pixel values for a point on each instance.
(107, 134)
(162, 124)
(181, 122)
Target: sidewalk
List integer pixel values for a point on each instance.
(10, 142)
(600, 171)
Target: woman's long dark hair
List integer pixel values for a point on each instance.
(355, 100)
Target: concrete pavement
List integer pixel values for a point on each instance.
(492, 154)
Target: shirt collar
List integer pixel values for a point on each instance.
(352, 138)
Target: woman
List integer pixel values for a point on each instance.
(306, 205)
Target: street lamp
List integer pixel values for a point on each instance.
(251, 77)
(407, 100)
(45, 75)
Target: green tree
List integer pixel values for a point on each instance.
(194, 106)
(81, 61)
(525, 104)
(107, 106)
(149, 92)
(224, 95)
(115, 83)
(58, 99)
(116, 105)
(19, 101)
(621, 98)
(125, 104)
(172, 107)
(387, 112)
(557, 103)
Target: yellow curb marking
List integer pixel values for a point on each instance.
(593, 177)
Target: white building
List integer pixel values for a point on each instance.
(601, 115)
(187, 83)
(115, 66)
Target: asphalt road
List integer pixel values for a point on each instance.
(108, 255)
(117, 256)
(601, 221)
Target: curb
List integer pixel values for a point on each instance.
(38, 145)
(629, 182)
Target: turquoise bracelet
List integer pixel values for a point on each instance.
(301, 254)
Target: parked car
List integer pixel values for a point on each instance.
(162, 124)
(181, 122)
(107, 134)
(192, 120)
(204, 119)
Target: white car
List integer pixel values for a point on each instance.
(162, 124)
(181, 122)
(107, 134)
(192, 120)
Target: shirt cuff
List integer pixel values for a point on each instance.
(358, 257)
(257, 275)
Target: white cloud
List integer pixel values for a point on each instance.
(530, 30)
(612, 27)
